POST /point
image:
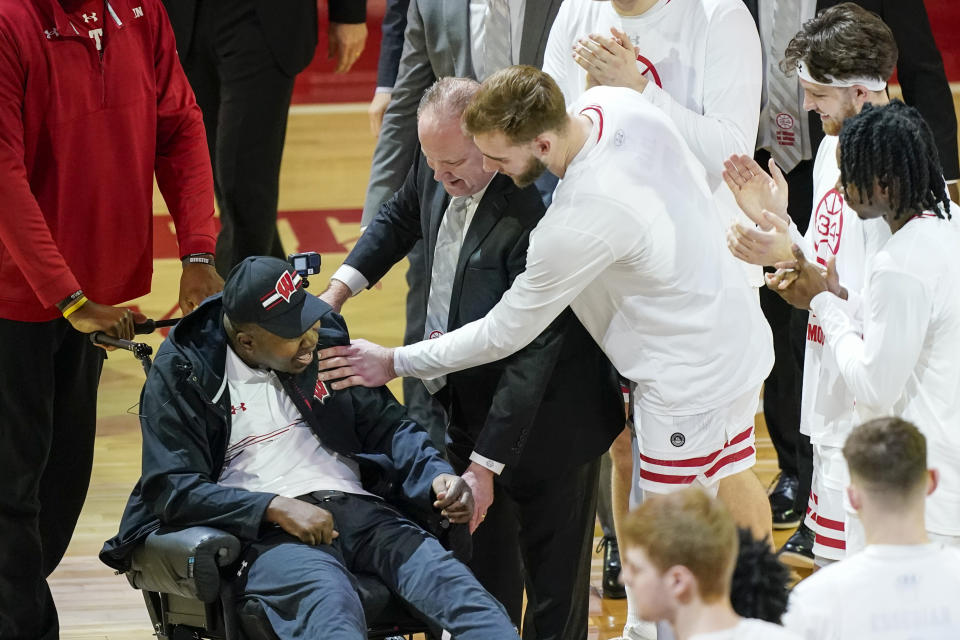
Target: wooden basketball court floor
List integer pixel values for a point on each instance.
(325, 172)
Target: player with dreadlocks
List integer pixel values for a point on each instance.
(843, 57)
(904, 359)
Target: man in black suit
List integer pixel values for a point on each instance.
(532, 425)
(241, 58)
(924, 84)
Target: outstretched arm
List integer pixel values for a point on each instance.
(561, 262)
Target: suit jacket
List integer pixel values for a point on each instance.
(391, 42)
(919, 70)
(289, 26)
(554, 404)
(437, 44)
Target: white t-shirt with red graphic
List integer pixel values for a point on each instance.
(827, 406)
(704, 65)
(272, 448)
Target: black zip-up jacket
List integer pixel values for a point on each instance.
(185, 420)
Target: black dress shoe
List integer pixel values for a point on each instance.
(611, 569)
(782, 502)
(797, 551)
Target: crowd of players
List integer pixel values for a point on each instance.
(648, 252)
(679, 320)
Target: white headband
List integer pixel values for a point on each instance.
(870, 84)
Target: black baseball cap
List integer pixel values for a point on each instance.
(268, 292)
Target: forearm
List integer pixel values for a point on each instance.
(875, 366)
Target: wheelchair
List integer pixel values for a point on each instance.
(182, 572)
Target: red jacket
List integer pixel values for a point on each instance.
(80, 141)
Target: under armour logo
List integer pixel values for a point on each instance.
(242, 407)
(90, 17)
(52, 33)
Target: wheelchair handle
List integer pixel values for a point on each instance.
(151, 325)
(140, 350)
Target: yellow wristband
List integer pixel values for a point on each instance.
(79, 302)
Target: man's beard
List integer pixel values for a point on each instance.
(534, 170)
(833, 126)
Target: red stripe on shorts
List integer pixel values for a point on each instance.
(836, 525)
(831, 542)
(730, 459)
(701, 460)
(664, 478)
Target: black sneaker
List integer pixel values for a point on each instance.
(782, 502)
(612, 588)
(797, 551)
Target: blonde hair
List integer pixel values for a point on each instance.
(522, 102)
(691, 529)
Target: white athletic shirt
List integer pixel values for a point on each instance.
(885, 592)
(700, 56)
(634, 244)
(835, 230)
(750, 629)
(704, 65)
(907, 362)
(272, 449)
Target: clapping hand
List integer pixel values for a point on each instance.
(756, 190)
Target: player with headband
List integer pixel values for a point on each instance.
(843, 58)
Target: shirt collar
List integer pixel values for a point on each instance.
(239, 372)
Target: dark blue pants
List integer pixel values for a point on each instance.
(308, 591)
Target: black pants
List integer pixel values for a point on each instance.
(245, 98)
(48, 397)
(309, 591)
(539, 534)
(782, 389)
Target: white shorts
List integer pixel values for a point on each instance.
(825, 511)
(677, 451)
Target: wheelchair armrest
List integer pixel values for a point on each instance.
(183, 562)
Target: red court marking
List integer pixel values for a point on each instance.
(311, 227)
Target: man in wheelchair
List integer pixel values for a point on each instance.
(239, 434)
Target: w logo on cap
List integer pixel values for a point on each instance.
(286, 286)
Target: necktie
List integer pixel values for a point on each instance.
(445, 257)
(785, 114)
(497, 54)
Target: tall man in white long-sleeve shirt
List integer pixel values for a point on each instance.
(903, 360)
(633, 243)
